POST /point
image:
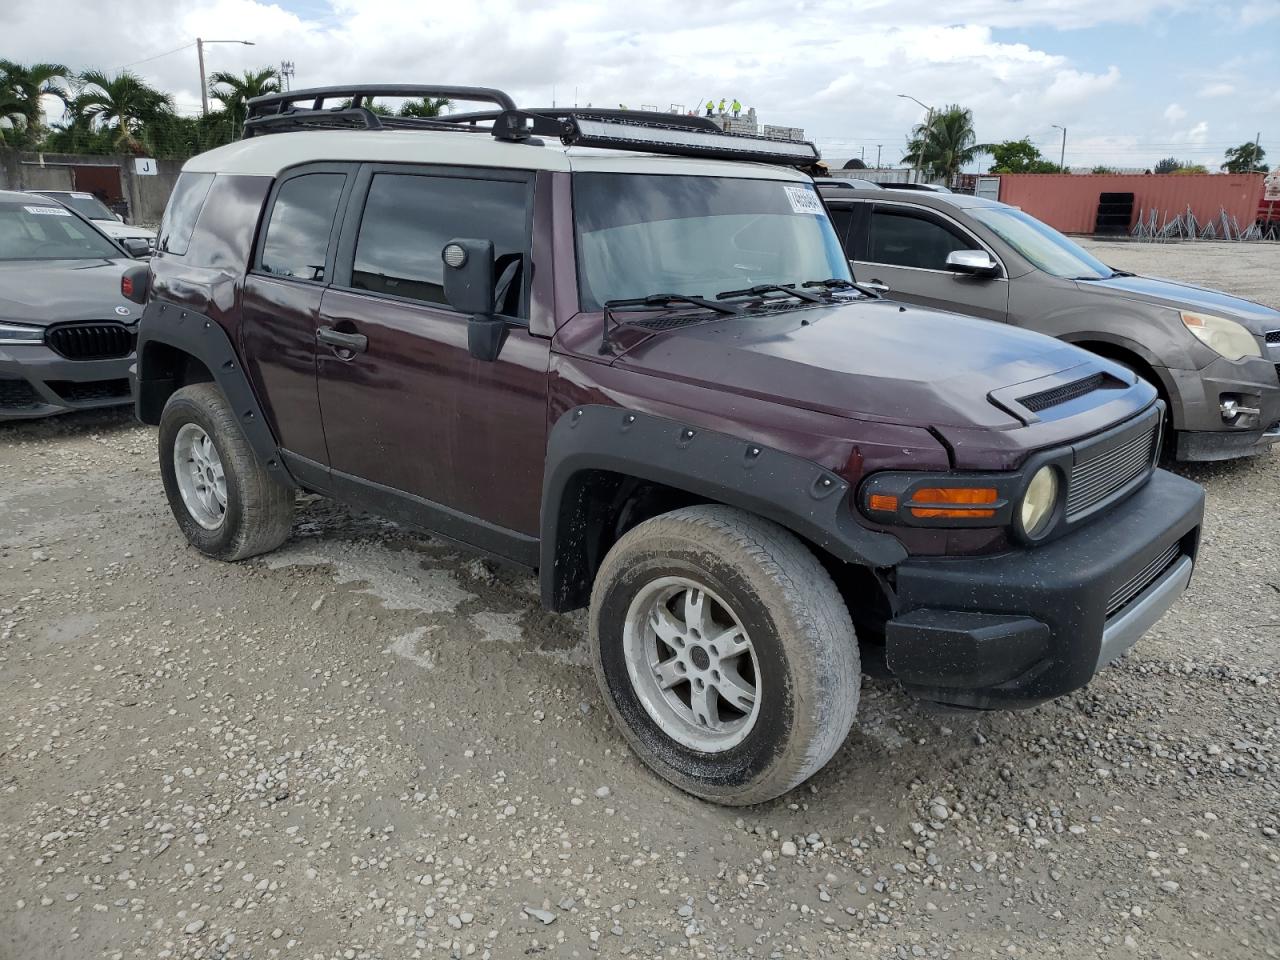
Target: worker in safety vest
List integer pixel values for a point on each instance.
(711, 107)
(737, 107)
(722, 106)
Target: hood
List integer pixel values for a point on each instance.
(118, 230)
(43, 292)
(1184, 296)
(870, 360)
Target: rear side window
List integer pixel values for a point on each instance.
(297, 240)
(903, 239)
(408, 219)
(182, 211)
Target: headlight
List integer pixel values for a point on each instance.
(1036, 509)
(1227, 337)
(20, 333)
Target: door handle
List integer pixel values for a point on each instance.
(350, 342)
(879, 286)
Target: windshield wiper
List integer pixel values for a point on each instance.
(654, 301)
(760, 290)
(839, 283)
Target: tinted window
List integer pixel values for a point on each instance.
(408, 220)
(182, 211)
(297, 242)
(906, 240)
(841, 219)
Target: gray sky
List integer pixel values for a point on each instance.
(1132, 80)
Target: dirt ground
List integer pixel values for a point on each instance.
(374, 745)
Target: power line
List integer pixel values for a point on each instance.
(185, 46)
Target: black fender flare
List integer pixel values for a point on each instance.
(805, 497)
(194, 333)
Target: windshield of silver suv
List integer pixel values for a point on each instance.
(640, 235)
(1041, 244)
(87, 205)
(40, 230)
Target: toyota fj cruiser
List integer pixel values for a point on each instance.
(645, 371)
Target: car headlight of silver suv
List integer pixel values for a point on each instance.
(1231, 339)
(11, 333)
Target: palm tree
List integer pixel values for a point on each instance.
(234, 92)
(944, 143)
(425, 107)
(124, 102)
(21, 89)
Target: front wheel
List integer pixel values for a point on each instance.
(724, 652)
(226, 503)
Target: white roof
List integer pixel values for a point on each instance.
(269, 154)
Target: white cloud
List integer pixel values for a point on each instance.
(1259, 11)
(1173, 113)
(1217, 90)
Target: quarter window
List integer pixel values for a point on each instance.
(408, 219)
(182, 211)
(297, 241)
(903, 239)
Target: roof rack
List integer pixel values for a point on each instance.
(640, 130)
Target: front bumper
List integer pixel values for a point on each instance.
(1202, 433)
(1030, 625)
(36, 382)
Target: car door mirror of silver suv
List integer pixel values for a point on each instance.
(977, 263)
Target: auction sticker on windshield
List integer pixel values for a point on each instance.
(52, 211)
(804, 200)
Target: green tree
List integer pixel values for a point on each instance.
(1018, 156)
(944, 143)
(1246, 158)
(234, 92)
(1167, 165)
(21, 88)
(1100, 168)
(1191, 168)
(123, 103)
(425, 107)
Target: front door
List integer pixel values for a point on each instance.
(905, 248)
(409, 415)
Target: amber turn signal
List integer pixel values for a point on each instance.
(883, 502)
(962, 497)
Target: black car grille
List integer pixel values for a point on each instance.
(90, 341)
(73, 391)
(1144, 578)
(1068, 391)
(1099, 473)
(17, 395)
(1273, 336)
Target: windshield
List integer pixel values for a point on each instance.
(42, 231)
(87, 205)
(1041, 244)
(642, 234)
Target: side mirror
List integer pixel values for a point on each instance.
(120, 217)
(136, 247)
(976, 263)
(468, 287)
(135, 283)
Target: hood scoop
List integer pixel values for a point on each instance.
(1028, 400)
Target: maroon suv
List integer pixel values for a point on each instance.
(645, 371)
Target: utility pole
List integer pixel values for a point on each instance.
(1062, 158)
(879, 146)
(1257, 148)
(286, 74)
(928, 129)
(204, 84)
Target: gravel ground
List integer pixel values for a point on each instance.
(371, 744)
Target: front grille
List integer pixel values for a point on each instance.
(1144, 578)
(1097, 475)
(73, 391)
(17, 395)
(1273, 336)
(1068, 391)
(90, 341)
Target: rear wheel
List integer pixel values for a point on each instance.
(225, 502)
(724, 652)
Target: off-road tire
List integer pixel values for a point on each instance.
(798, 625)
(259, 510)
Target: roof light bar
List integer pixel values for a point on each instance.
(583, 132)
